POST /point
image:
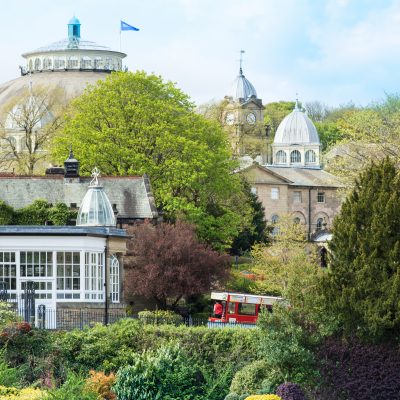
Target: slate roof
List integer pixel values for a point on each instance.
(306, 176)
(131, 194)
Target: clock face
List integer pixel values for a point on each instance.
(251, 118)
(230, 118)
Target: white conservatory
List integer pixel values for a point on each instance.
(69, 267)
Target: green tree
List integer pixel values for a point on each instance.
(288, 265)
(134, 123)
(257, 232)
(275, 112)
(362, 287)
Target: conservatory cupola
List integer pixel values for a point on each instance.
(96, 209)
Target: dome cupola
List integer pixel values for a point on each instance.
(242, 88)
(296, 128)
(296, 141)
(96, 209)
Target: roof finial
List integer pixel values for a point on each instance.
(297, 104)
(95, 175)
(241, 62)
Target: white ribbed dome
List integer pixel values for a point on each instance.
(96, 209)
(242, 88)
(296, 128)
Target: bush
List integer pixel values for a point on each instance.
(74, 388)
(232, 396)
(8, 376)
(290, 391)
(353, 370)
(6, 213)
(249, 379)
(100, 383)
(7, 315)
(263, 397)
(12, 393)
(165, 374)
(160, 317)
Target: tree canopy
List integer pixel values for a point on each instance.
(135, 123)
(169, 263)
(362, 287)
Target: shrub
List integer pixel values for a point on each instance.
(160, 317)
(73, 389)
(290, 391)
(7, 315)
(353, 370)
(165, 374)
(8, 376)
(101, 384)
(248, 379)
(232, 396)
(12, 393)
(6, 213)
(263, 397)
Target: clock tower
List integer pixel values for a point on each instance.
(243, 118)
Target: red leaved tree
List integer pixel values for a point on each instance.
(168, 262)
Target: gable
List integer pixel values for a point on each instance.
(256, 174)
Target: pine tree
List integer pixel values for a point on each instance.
(362, 287)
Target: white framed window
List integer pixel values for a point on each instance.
(59, 63)
(68, 275)
(36, 264)
(281, 157)
(321, 197)
(8, 271)
(94, 277)
(297, 196)
(73, 62)
(114, 279)
(310, 156)
(295, 157)
(275, 193)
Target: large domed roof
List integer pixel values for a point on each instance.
(242, 88)
(296, 128)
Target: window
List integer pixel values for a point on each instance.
(281, 157)
(36, 264)
(274, 220)
(295, 157)
(114, 279)
(253, 190)
(247, 309)
(8, 270)
(296, 220)
(72, 63)
(321, 197)
(47, 63)
(310, 156)
(59, 63)
(43, 289)
(320, 223)
(275, 193)
(297, 197)
(37, 64)
(68, 275)
(231, 308)
(94, 281)
(86, 63)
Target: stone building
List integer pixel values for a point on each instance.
(50, 268)
(295, 183)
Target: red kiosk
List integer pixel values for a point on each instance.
(239, 308)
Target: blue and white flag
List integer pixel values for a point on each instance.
(127, 27)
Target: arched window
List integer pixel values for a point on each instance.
(114, 279)
(86, 63)
(59, 63)
(310, 156)
(320, 223)
(30, 65)
(296, 220)
(37, 64)
(72, 63)
(274, 221)
(47, 64)
(295, 157)
(281, 157)
(323, 257)
(98, 63)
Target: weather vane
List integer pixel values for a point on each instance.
(95, 176)
(241, 59)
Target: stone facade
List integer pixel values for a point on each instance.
(309, 195)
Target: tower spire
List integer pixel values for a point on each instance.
(241, 62)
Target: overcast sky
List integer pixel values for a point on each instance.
(334, 51)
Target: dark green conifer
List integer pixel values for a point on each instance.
(362, 286)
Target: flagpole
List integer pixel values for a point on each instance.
(120, 32)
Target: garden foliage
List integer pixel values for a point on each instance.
(290, 391)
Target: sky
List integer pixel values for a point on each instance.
(333, 51)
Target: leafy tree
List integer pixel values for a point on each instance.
(275, 112)
(36, 116)
(257, 232)
(134, 123)
(170, 263)
(288, 265)
(6, 213)
(362, 288)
